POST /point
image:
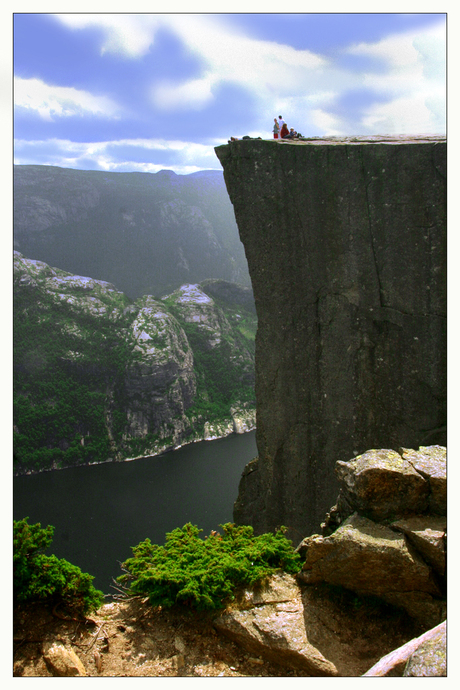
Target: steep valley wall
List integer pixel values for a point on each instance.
(346, 245)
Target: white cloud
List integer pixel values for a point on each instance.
(279, 78)
(112, 155)
(196, 94)
(403, 116)
(397, 51)
(60, 101)
(306, 85)
(328, 124)
(231, 55)
(128, 34)
(414, 83)
(225, 54)
(228, 56)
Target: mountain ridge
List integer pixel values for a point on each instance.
(147, 233)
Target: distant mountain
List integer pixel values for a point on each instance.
(145, 233)
(98, 376)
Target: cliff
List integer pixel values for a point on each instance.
(98, 377)
(346, 245)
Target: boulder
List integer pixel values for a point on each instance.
(272, 625)
(422, 656)
(62, 661)
(381, 484)
(430, 462)
(429, 659)
(319, 630)
(427, 533)
(372, 559)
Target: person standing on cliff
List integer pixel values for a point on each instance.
(280, 122)
(276, 129)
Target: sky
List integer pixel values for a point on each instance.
(144, 92)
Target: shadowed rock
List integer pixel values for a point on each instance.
(371, 559)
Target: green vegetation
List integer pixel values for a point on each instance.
(223, 380)
(248, 328)
(76, 357)
(48, 579)
(59, 401)
(205, 574)
(141, 446)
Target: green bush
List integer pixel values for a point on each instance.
(205, 573)
(37, 577)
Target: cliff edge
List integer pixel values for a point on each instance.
(346, 244)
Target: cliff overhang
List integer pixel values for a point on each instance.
(346, 244)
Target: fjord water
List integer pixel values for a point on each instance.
(99, 512)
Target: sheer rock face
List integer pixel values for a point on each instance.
(161, 384)
(346, 246)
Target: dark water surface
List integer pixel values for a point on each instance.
(100, 511)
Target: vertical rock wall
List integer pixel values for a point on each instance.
(346, 245)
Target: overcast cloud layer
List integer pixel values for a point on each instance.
(122, 92)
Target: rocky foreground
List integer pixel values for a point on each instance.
(370, 598)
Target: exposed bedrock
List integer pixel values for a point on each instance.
(346, 245)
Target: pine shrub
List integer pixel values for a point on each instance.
(205, 573)
(48, 579)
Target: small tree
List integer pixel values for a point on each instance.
(205, 574)
(41, 578)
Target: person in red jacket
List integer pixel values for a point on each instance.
(284, 131)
